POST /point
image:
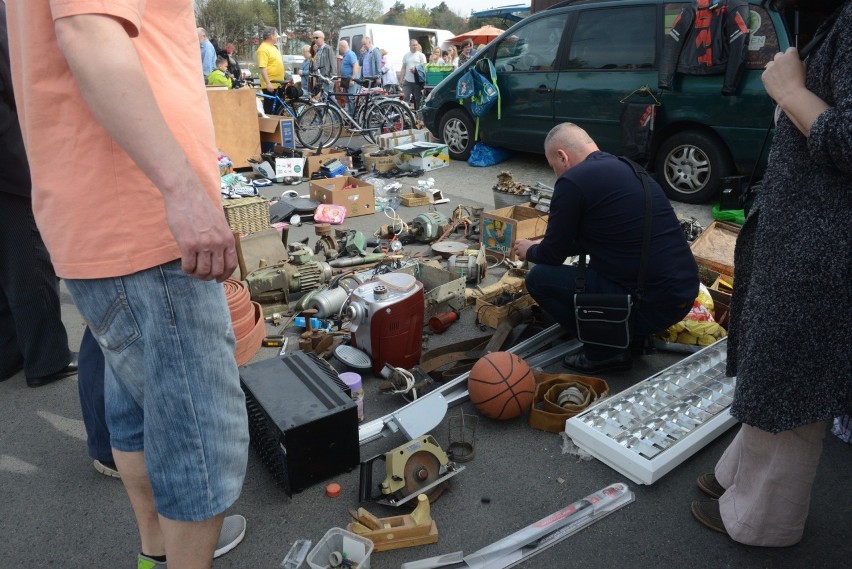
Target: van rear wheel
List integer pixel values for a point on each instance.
(457, 133)
(690, 166)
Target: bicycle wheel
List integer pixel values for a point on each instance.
(319, 125)
(387, 116)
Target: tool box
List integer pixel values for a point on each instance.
(302, 420)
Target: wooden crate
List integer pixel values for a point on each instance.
(414, 200)
(714, 248)
(247, 215)
(492, 315)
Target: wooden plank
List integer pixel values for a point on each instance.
(234, 113)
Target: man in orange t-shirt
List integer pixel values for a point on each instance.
(126, 196)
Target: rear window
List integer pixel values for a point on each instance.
(355, 44)
(614, 38)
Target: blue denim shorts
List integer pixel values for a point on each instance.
(171, 384)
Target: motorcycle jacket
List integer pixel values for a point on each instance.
(709, 37)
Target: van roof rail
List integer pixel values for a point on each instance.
(569, 2)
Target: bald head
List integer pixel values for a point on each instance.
(343, 46)
(566, 145)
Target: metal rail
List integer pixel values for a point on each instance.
(424, 414)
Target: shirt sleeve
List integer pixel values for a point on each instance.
(128, 12)
(560, 237)
(262, 58)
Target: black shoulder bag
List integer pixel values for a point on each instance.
(604, 319)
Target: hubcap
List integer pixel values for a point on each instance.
(456, 135)
(687, 169)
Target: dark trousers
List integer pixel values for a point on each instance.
(90, 383)
(412, 90)
(31, 329)
(552, 287)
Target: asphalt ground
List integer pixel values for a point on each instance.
(57, 511)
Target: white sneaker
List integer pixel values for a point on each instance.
(106, 469)
(233, 532)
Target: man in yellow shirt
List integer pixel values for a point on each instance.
(270, 65)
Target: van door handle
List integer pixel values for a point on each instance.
(543, 89)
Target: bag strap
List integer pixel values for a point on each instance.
(642, 174)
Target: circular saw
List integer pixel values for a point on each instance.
(418, 467)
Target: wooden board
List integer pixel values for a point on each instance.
(234, 113)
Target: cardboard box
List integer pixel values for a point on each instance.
(721, 308)
(502, 227)
(357, 196)
(285, 167)
(393, 139)
(424, 156)
(313, 161)
(714, 248)
(277, 130)
(380, 164)
(722, 291)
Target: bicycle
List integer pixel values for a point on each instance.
(312, 131)
(374, 112)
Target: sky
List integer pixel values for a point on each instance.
(462, 7)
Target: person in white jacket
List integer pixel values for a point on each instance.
(389, 79)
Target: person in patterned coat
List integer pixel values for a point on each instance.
(789, 343)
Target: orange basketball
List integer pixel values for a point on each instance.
(501, 385)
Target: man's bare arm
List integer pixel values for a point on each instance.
(98, 46)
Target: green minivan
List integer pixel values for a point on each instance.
(581, 61)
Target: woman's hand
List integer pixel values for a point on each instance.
(784, 76)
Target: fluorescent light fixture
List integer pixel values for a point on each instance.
(650, 428)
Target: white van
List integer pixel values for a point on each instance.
(395, 39)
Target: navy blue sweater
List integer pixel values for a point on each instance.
(599, 206)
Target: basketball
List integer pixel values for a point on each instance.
(501, 385)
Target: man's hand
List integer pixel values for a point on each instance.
(520, 247)
(206, 242)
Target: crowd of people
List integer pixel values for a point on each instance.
(369, 65)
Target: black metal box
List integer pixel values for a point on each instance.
(302, 421)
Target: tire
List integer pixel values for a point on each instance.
(387, 116)
(690, 166)
(456, 131)
(319, 125)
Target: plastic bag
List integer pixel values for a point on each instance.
(483, 155)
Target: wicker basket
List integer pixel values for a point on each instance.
(247, 215)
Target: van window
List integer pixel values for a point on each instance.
(533, 47)
(614, 38)
(355, 44)
(762, 43)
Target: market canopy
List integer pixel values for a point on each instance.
(479, 36)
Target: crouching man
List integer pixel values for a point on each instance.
(598, 207)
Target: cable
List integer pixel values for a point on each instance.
(409, 381)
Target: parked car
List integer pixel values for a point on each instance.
(580, 61)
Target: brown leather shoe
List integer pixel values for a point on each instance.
(708, 484)
(707, 513)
